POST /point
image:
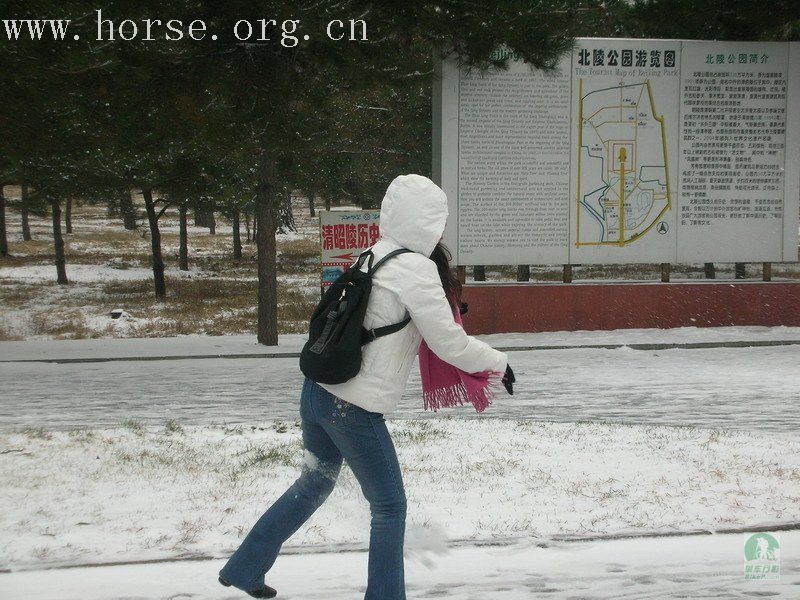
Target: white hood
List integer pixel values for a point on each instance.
(414, 213)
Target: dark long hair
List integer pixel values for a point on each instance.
(452, 286)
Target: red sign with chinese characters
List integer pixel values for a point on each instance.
(344, 234)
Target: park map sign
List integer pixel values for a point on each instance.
(635, 151)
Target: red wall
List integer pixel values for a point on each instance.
(504, 308)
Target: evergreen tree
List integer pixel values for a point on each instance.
(744, 20)
(302, 117)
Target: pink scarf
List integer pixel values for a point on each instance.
(446, 385)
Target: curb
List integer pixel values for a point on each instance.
(635, 346)
(454, 543)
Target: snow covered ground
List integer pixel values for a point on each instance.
(685, 567)
(133, 493)
(83, 274)
(595, 441)
(748, 388)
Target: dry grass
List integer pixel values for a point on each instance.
(68, 324)
(18, 294)
(299, 252)
(7, 336)
(213, 306)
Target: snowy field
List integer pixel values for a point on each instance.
(109, 268)
(133, 493)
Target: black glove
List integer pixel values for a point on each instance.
(509, 379)
(463, 308)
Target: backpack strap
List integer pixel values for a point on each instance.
(372, 269)
(362, 257)
(369, 335)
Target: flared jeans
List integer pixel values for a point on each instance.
(334, 430)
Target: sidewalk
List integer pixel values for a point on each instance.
(703, 566)
(289, 345)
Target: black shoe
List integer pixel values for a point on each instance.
(265, 592)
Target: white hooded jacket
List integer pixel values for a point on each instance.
(413, 216)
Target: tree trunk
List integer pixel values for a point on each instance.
(285, 215)
(255, 227)
(205, 218)
(523, 272)
(26, 225)
(3, 236)
(710, 271)
(68, 215)
(739, 271)
(327, 203)
(128, 210)
(311, 203)
(58, 243)
(267, 266)
(479, 273)
(237, 236)
(247, 226)
(183, 251)
(155, 242)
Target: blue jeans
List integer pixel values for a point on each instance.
(334, 429)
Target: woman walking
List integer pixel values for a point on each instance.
(345, 421)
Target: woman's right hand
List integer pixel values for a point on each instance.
(509, 379)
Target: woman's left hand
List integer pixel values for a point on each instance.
(508, 380)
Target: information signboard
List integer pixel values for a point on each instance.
(634, 151)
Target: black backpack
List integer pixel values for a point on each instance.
(336, 334)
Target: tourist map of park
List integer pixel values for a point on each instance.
(623, 188)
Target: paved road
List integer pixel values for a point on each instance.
(743, 388)
(639, 569)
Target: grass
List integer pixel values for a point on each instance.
(133, 425)
(417, 432)
(259, 456)
(299, 252)
(210, 306)
(7, 336)
(69, 324)
(37, 433)
(172, 426)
